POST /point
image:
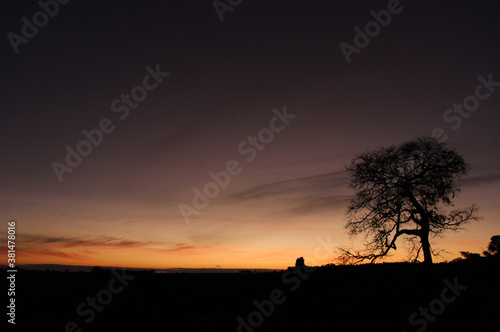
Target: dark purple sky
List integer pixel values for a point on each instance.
(225, 79)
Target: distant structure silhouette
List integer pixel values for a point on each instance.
(299, 263)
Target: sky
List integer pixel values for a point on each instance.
(171, 92)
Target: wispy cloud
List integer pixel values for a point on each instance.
(319, 204)
(69, 242)
(49, 253)
(77, 248)
(302, 185)
(304, 195)
(481, 180)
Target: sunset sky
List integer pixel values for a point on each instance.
(227, 80)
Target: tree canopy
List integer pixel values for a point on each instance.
(493, 247)
(401, 192)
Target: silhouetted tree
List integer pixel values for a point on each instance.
(493, 247)
(399, 192)
(470, 255)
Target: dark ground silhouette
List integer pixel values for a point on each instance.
(378, 297)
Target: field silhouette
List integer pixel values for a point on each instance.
(372, 297)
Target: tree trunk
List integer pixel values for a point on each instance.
(426, 246)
